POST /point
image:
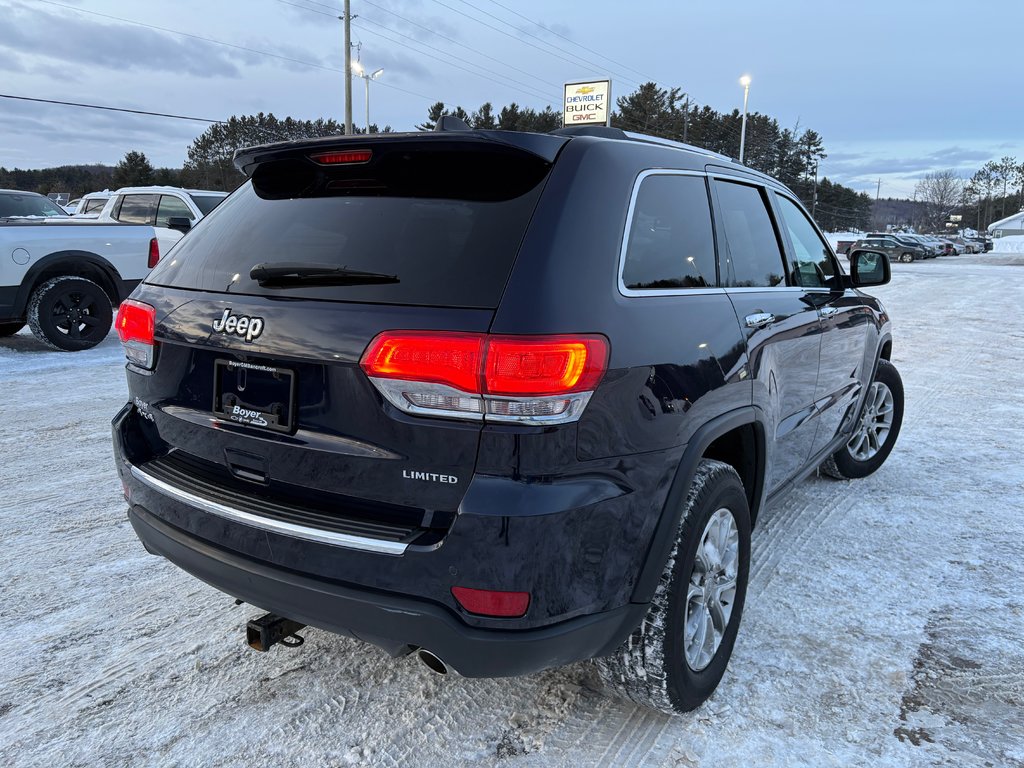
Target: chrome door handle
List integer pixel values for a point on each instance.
(760, 319)
(828, 311)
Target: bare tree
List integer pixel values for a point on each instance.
(940, 191)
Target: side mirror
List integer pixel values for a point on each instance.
(869, 268)
(181, 223)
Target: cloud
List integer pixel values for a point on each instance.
(87, 135)
(90, 42)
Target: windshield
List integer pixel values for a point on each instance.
(29, 204)
(207, 203)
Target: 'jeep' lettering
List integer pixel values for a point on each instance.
(243, 326)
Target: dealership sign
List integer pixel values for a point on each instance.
(586, 103)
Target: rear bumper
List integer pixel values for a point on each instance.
(393, 622)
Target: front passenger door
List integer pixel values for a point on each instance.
(847, 326)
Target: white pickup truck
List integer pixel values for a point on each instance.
(172, 210)
(63, 276)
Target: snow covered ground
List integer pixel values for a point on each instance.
(884, 623)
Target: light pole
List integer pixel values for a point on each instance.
(745, 82)
(361, 72)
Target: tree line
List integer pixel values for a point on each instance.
(791, 155)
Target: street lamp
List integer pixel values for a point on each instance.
(745, 82)
(361, 72)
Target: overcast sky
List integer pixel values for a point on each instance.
(896, 88)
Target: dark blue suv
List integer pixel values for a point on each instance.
(505, 400)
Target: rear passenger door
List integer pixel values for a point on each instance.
(779, 319)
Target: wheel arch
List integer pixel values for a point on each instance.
(72, 263)
(736, 438)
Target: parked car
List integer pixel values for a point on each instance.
(929, 251)
(61, 277)
(20, 205)
(895, 250)
(843, 246)
(90, 206)
(382, 390)
(173, 211)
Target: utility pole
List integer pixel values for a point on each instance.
(814, 204)
(878, 189)
(686, 125)
(348, 67)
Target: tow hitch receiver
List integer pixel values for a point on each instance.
(269, 630)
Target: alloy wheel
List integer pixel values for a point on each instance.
(711, 591)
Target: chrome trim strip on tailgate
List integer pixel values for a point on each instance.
(268, 524)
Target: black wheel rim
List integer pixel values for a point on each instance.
(75, 314)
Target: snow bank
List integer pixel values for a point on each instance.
(1008, 244)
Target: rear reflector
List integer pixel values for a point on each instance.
(343, 158)
(136, 326)
(529, 379)
(154, 252)
(489, 602)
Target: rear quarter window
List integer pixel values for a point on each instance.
(670, 243)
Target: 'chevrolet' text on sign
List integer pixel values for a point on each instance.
(587, 103)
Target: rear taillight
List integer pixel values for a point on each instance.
(136, 325)
(154, 252)
(528, 379)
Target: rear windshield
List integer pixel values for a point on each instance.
(444, 252)
(207, 203)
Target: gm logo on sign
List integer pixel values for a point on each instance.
(586, 103)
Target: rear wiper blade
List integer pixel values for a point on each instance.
(292, 273)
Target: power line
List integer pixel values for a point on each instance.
(462, 45)
(569, 40)
(210, 40)
(574, 62)
(538, 38)
(189, 34)
(109, 109)
(530, 92)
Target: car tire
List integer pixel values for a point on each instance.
(906, 258)
(70, 313)
(876, 430)
(669, 663)
(9, 329)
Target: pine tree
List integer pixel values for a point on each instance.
(134, 170)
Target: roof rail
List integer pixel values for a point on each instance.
(604, 131)
(677, 145)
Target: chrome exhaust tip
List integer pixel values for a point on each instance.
(432, 662)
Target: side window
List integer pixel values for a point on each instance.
(811, 261)
(670, 242)
(171, 206)
(137, 209)
(95, 205)
(754, 258)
